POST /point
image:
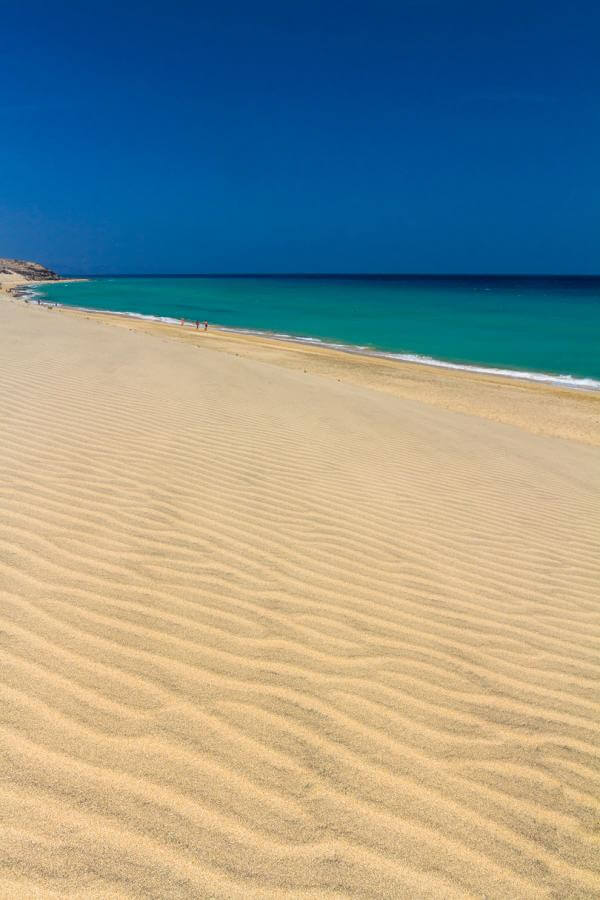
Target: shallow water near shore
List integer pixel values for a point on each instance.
(545, 329)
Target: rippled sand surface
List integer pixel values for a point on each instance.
(264, 633)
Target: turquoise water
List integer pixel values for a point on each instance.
(527, 325)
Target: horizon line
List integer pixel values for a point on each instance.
(330, 275)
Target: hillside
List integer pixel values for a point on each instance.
(31, 271)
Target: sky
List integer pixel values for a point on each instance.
(284, 136)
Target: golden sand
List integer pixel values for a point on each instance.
(268, 632)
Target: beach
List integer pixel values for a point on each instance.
(542, 329)
(283, 621)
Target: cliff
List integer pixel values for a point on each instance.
(30, 271)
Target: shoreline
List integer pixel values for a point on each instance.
(563, 381)
(536, 407)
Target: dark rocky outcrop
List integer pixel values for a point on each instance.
(29, 270)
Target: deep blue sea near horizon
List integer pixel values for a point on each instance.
(544, 325)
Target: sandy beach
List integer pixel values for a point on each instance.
(279, 621)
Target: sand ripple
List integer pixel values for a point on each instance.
(267, 635)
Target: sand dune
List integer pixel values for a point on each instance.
(267, 634)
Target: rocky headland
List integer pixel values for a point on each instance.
(28, 271)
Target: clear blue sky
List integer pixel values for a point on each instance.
(301, 136)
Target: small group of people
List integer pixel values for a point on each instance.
(40, 303)
(198, 323)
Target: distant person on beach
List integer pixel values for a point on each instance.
(197, 325)
(183, 321)
(206, 326)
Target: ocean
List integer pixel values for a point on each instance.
(541, 328)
